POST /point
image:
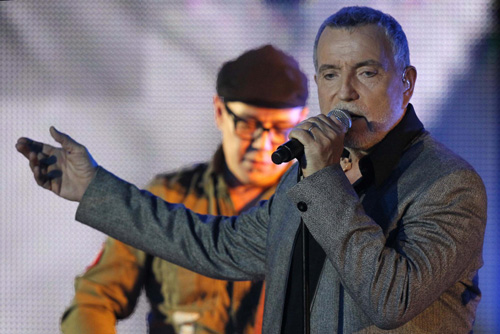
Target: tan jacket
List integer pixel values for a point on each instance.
(181, 300)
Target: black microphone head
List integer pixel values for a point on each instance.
(343, 116)
(279, 157)
(288, 151)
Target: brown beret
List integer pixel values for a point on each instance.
(263, 77)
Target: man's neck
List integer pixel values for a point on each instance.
(242, 195)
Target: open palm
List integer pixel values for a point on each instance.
(67, 171)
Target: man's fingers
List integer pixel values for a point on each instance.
(47, 161)
(34, 146)
(55, 181)
(54, 174)
(52, 170)
(25, 146)
(302, 135)
(33, 159)
(328, 122)
(318, 124)
(43, 160)
(39, 178)
(48, 180)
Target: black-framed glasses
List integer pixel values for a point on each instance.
(251, 129)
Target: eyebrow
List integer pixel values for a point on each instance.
(325, 67)
(369, 62)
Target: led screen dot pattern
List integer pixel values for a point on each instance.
(134, 80)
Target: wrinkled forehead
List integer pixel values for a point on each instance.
(355, 44)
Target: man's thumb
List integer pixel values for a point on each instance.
(62, 138)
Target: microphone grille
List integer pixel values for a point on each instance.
(342, 116)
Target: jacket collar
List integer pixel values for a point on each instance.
(385, 156)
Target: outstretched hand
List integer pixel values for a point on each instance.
(66, 171)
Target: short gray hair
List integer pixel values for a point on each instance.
(351, 17)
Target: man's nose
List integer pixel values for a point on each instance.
(347, 91)
(263, 141)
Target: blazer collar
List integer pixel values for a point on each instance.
(385, 155)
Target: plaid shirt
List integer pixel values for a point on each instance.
(181, 301)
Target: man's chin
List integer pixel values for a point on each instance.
(263, 180)
(360, 144)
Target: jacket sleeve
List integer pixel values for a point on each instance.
(107, 291)
(393, 277)
(229, 248)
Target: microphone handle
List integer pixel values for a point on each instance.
(288, 151)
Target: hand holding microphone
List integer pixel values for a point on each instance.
(295, 149)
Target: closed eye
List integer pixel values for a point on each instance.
(369, 74)
(329, 76)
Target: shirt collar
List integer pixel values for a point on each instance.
(385, 155)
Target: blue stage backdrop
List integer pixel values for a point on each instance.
(134, 81)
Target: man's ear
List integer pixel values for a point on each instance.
(218, 106)
(409, 79)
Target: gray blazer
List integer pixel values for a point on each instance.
(405, 256)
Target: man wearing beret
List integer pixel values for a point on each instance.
(254, 119)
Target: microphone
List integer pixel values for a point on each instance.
(294, 149)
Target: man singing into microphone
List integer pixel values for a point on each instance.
(253, 119)
(396, 220)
